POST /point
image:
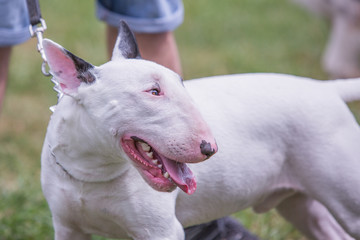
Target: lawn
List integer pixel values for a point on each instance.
(217, 37)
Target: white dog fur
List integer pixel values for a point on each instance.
(285, 142)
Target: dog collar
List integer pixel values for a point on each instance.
(57, 89)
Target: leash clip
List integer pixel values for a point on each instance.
(38, 30)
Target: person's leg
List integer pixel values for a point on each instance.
(4, 69)
(158, 47)
(14, 29)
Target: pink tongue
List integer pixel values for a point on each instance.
(181, 175)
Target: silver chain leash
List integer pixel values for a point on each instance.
(38, 31)
(37, 28)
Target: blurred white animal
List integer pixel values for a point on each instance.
(341, 57)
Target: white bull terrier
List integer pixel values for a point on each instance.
(120, 139)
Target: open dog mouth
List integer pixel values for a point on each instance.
(161, 173)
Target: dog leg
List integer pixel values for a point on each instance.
(311, 218)
(160, 230)
(329, 171)
(65, 233)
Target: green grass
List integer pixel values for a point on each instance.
(217, 37)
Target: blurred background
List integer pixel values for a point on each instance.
(217, 37)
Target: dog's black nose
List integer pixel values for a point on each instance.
(206, 149)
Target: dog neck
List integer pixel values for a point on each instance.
(53, 156)
(79, 149)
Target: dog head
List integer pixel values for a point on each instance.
(139, 106)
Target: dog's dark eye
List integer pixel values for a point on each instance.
(155, 92)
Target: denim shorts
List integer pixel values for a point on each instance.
(148, 16)
(143, 16)
(14, 22)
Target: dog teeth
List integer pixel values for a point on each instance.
(145, 147)
(159, 166)
(166, 175)
(150, 154)
(155, 161)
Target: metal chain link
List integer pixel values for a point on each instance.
(38, 31)
(37, 28)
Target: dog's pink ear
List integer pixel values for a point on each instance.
(67, 68)
(125, 46)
